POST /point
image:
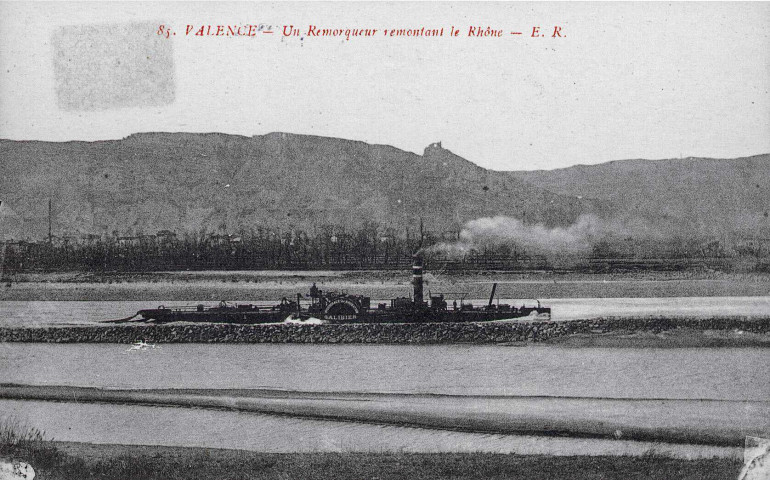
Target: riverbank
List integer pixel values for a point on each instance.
(620, 331)
(272, 285)
(108, 462)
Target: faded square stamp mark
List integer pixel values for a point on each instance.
(100, 67)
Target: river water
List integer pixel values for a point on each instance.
(682, 373)
(733, 376)
(695, 378)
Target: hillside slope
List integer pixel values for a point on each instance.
(190, 182)
(704, 194)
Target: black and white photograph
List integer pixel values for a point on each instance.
(384, 240)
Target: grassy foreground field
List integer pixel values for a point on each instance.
(119, 462)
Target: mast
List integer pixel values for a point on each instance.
(492, 295)
(2, 252)
(3, 246)
(50, 236)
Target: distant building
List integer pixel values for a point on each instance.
(147, 239)
(129, 241)
(753, 246)
(452, 235)
(166, 234)
(224, 239)
(90, 238)
(165, 237)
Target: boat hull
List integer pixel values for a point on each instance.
(165, 315)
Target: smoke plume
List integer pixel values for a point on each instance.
(579, 237)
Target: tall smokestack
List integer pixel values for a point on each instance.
(417, 278)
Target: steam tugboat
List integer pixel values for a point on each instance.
(332, 307)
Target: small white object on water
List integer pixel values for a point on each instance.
(140, 345)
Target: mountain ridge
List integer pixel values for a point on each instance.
(699, 192)
(190, 182)
(219, 182)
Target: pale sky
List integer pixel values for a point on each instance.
(629, 80)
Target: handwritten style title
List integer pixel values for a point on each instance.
(313, 31)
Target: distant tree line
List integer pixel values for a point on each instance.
(367, 247)
(370, 246)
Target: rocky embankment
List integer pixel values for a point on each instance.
(392, 333)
